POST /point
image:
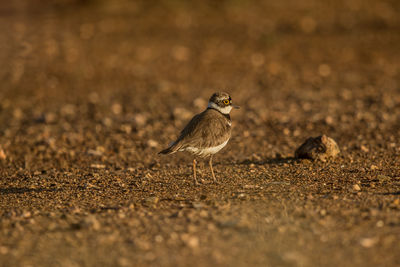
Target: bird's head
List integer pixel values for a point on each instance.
(222, 102)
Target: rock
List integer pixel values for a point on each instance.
(318, 148)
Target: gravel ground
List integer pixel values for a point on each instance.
(92, 90)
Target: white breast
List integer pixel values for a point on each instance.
(204, 152)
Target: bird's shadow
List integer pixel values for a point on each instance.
(22, 190)
(269, 161)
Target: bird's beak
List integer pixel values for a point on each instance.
(236, 107)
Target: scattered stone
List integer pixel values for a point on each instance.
(67, 110)
(182, 114)
(308, 24)
(91, 186)
(116, 108)
(151, 200)
(250, 186)
(198, 205)
(3, 250)
(2, 154)
(26, 214)
(91, 222)
(324, 70)
(383, 178)
(107, 122)
(356, 187)
(97, 166)
(368, 242)
(295, 258)
(180, 53)
(93, 152)
(242, 196)
(395, 203)
(318, 148)
(140, 119)
(200, 103)
(158, 238)
(191, 241)
(126, 128)
(374, 167)
(18, 114)
(124, 262)
(152, 143)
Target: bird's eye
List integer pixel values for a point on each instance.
(226, 101)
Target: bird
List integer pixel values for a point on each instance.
(207, 132)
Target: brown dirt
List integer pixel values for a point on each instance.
(91, 90)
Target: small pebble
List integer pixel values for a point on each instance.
(92, 222)
(140, 119)
(152, 200)
(2, 154)
(152, 143)
(368, 242)
(191, 241)
(374, 167)
(97, 166)
(383, 178)
(356, 187)
(364, 149)
(3, 250)
(197, 205)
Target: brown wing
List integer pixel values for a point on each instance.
(207, 129)
(189, 128)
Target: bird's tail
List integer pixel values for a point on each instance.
(171, 149)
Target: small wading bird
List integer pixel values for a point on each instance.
(207, 132)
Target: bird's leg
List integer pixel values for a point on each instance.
(194, 172)
(212, 171)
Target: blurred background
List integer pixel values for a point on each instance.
(125, 76)
(91, 90)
